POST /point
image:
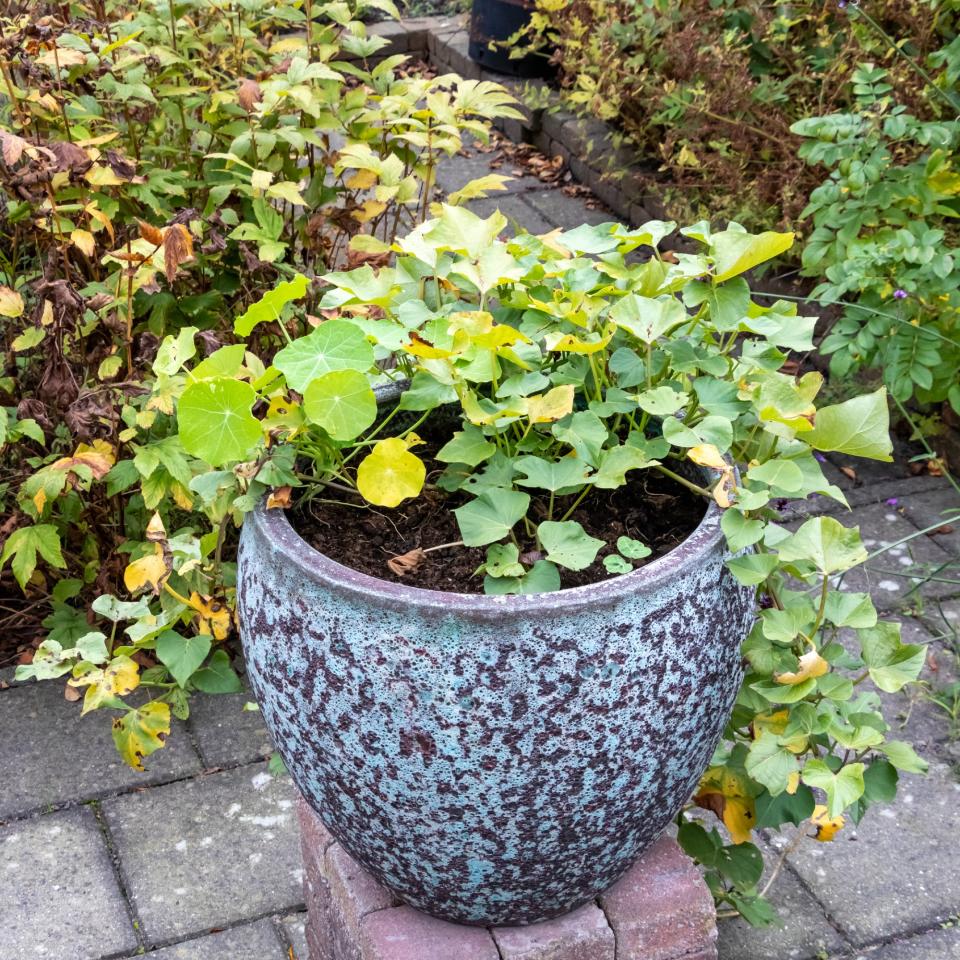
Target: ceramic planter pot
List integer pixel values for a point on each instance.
(495, 760)
(497, 21)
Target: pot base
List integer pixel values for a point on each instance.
(661, 907)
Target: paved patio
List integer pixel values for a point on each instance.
(198, 858)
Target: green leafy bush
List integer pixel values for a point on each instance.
(885, 240)
(704, 92)
(161, 164)
(570, 368)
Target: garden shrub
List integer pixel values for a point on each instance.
(708, 89)
(886, 241)
(570, 364)
(161, 165)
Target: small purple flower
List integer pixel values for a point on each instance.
(841, 3)
(819, 457)
(900, 294)
(892, 502)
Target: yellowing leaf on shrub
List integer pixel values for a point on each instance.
(827, 827)
(369, 210)
(156, 532)
(811, 665)
(98, 457)
(214, 615)
(390, 474)
(11, 303)
(140, 732)
(149, 571)
(776, 723)
(735, 252)
(553, 405)
(725, 792)
(119, 678)
(360, 180)
(84, 242)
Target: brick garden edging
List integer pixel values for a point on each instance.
(660, 909)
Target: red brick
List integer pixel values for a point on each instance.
(406, 934)
(582, 934)
(661, 909)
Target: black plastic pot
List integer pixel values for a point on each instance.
(494, 22)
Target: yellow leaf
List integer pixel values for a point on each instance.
(11, 303)
(739, 816)
(553, 405)
(97, 214)
(99, 176)
(390, 474)
(369, 210)
(568, 343)
(707, 455)
(827, 827)
(811, 665)
(140, 732)
(214, 616)
(424, 349)
(84, 242)
(149, 571)
(687, 158)
(793, 781)
(119, 678)
(98, 457)
(360, 180)
(46, 314)
(776, 723)
(725, 792)
(156, 531)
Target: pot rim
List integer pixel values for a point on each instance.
(277, 530)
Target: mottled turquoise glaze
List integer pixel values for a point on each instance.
(492, 759)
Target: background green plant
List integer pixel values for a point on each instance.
(704, 91)
(161, 164)
(885, 241)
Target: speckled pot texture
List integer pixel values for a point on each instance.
(494, 760)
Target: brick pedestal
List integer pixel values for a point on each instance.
(659, 910)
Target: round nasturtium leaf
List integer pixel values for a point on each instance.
(341, 402)
(215, 420)
(390, 474)
(334, 345)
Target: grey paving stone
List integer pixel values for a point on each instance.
(802, 933)
(472, 163)
(939, 945)
(897, 870)
(942, 618)
(566, 212)
(209, 852)
(50, 755)
(942, 507)
(515, 210)
(295, 927)
(224, 732)
(881, 526)
(252, 941)
(58, 894)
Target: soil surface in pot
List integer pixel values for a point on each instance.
(651, 508)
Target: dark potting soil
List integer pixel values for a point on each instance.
(651, 508)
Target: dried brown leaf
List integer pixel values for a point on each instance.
(150, 233)
(406, 562)
(279, 498)
(177, 249)
(249, 94)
